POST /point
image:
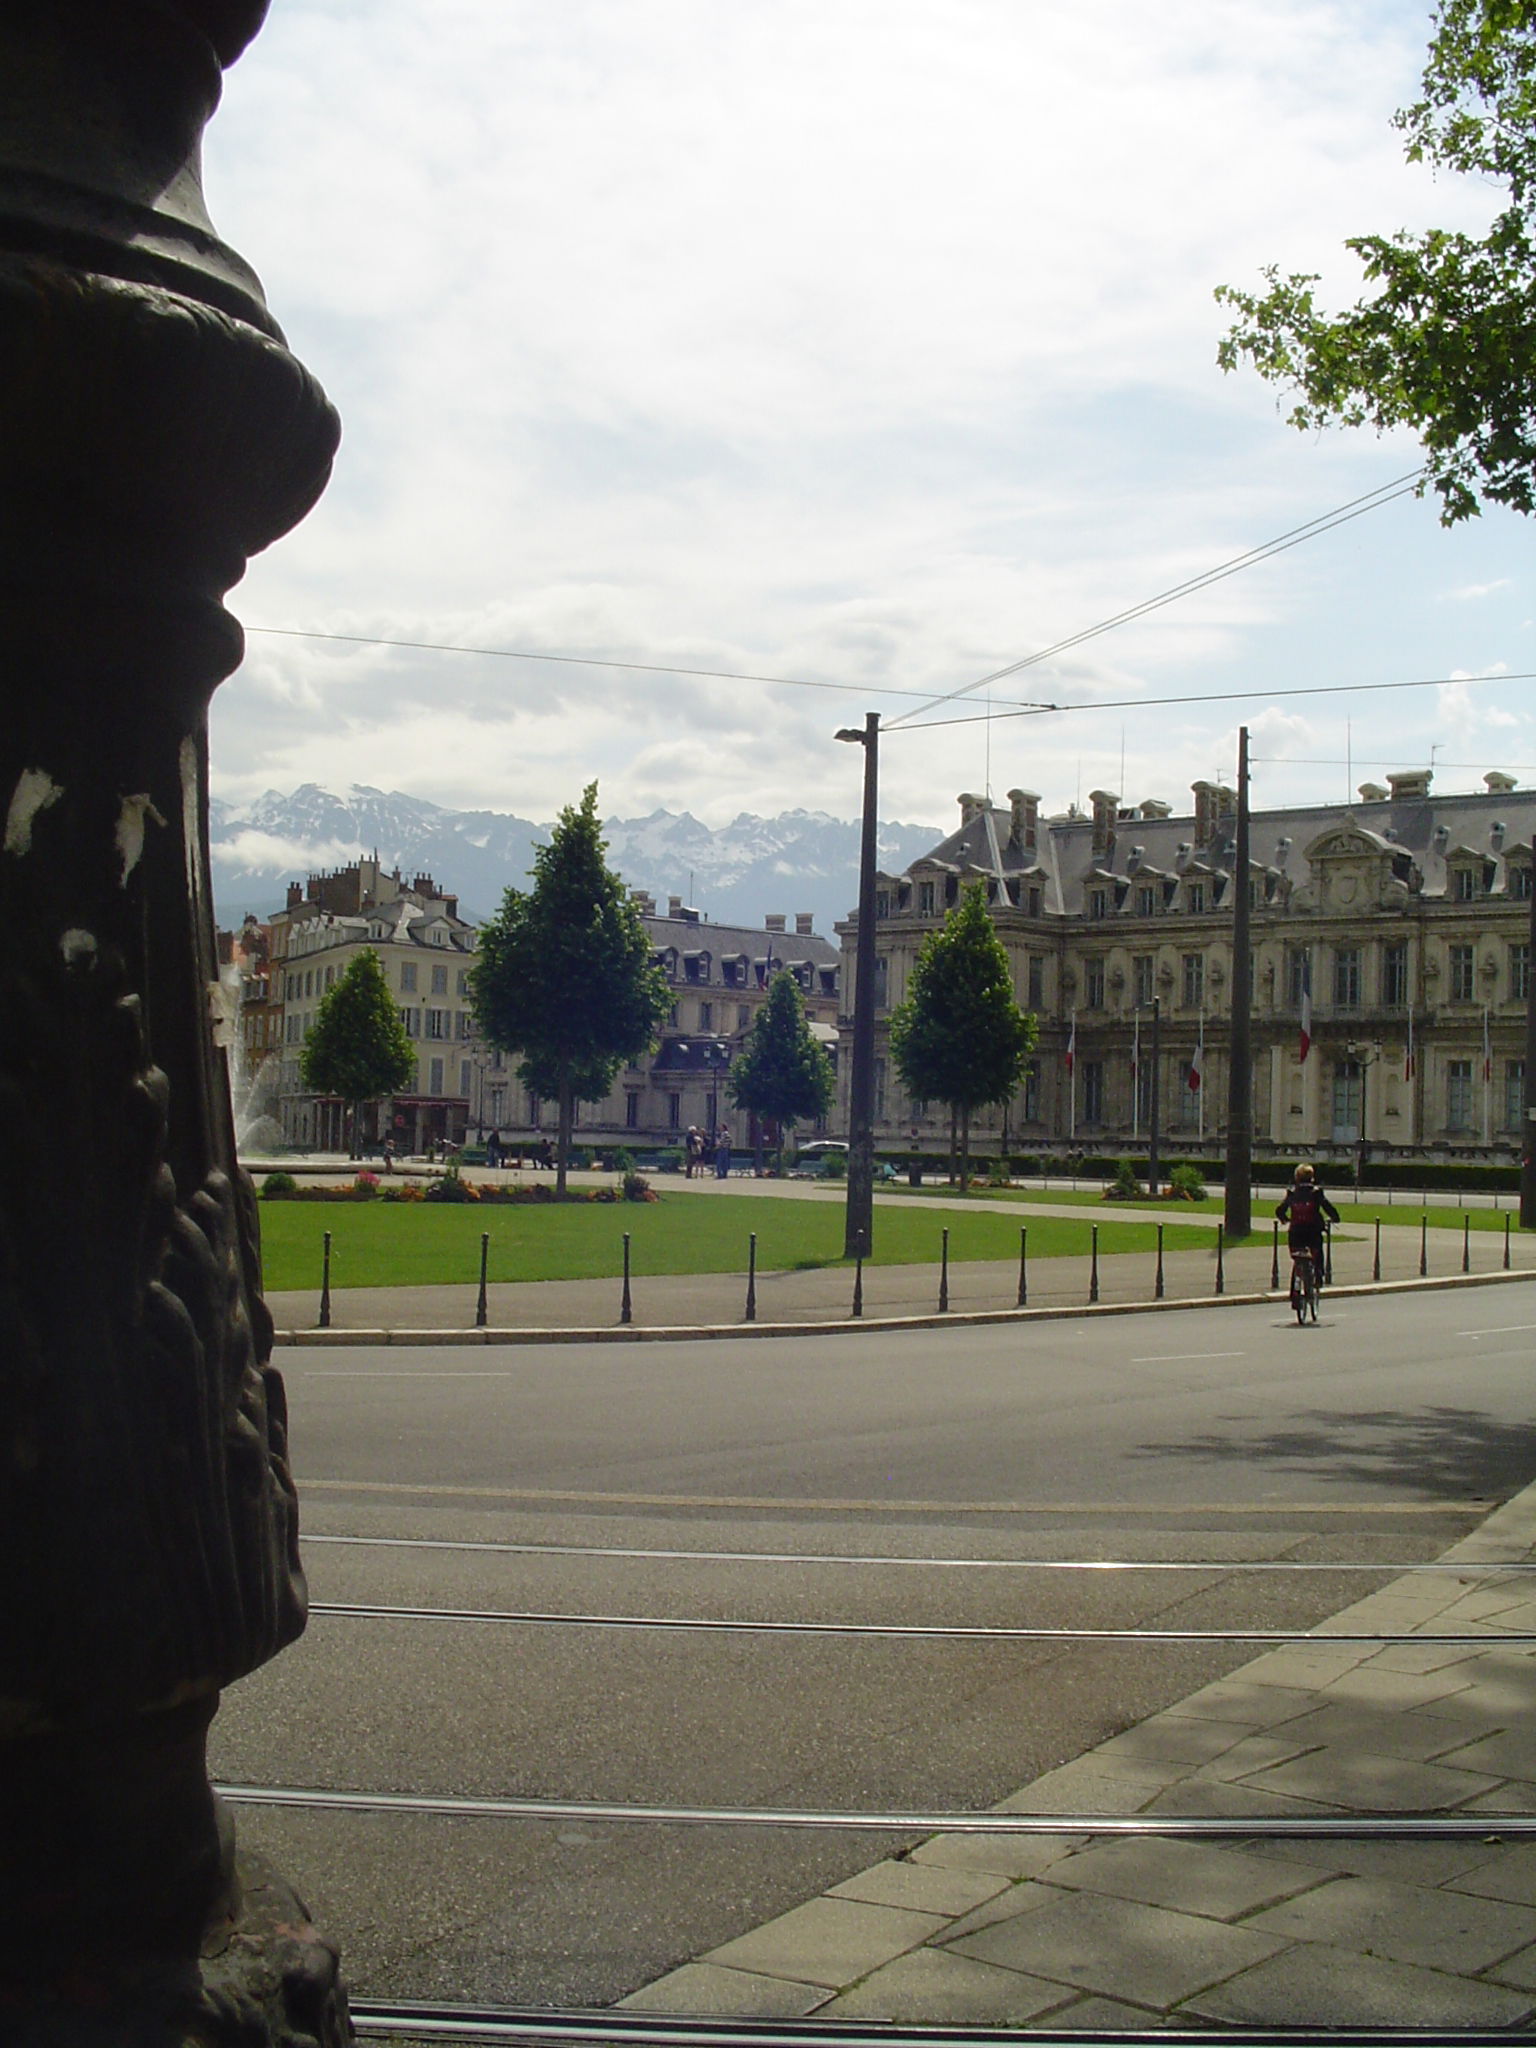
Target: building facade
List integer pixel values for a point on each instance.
(1391, 970)
(425, 949)
(719, 975)
(464, 1088)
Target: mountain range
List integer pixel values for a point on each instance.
(736, 874)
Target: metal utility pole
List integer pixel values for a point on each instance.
(1154, 1165)
(858, 1229)
(1238, 1212)
(1528, 1135)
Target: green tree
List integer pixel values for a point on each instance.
(564, 976)
(1442, 343)
(781, 1075)
(960, 1038)
(357, 1047)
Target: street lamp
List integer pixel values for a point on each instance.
(1154, 1105)
(858, 1229)
(1365, 1057)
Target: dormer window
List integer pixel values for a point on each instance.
(925, 899)
(1098, 903)
(1464, 884)
(1194, 898)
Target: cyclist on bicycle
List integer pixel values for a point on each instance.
(1303, 1210)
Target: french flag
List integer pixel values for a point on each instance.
(1072, 1044)
(1195, 1066)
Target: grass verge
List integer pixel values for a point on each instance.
(407, 1245)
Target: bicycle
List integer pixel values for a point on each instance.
(1304, 1286)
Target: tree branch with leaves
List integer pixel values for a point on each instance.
(1442, 344)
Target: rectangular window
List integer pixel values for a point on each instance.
(435, 1077)
(1514, 1095)
(1520, 882)
(1093, 1091)
(632, 1111)
(1346, 977)
(463, 981)
(1194, 981)
(882, 981)
(1146, 900)
(1141, 979)
(882, 903)
(674, 1112)
(1520, 970)
(1098, 903)
(1458, 1095)
(466, 1023)
(408, 977)
(743, 1016)
(411, 1019)
(1194, 898)
(1460, 961)
(1466, 885)
(439, 981)
(437, 1023)
(1394, 976)
(464, 1077)
(925, 903)
(706, 1016)
(1093, 984)
(330, 977)
(1037, 981)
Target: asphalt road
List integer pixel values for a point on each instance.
(1219, 1436)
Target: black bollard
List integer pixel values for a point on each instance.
(944, 1276)
(1466, 1244)
(325, 1283)
(626, 1308)
(1274, 1258)
(1221, 1273)
(1093, 1265)
(1157, 1285)
(752, 1277)
(1376, 1254)
(1024, 1266)
(481, 1306)
(858, 1278)
(1506, 1241)
(1328, 1255)
(1424, 1245)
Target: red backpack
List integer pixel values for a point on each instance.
(1305, 1208)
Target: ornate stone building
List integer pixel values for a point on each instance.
(719, 975)
(1397, 929)
(425, 948)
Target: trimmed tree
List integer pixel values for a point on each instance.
(564, 976)
(358, 1047)
(781, 1075)
(960, 1038)
(1442, 344)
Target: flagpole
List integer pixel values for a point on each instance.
(1487, 1081)
(1200, 1071)
(1072, 1081)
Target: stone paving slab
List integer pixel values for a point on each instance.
(1097, 1933)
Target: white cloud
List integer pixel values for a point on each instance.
(869, 343)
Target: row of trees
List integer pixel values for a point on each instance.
(564, 978)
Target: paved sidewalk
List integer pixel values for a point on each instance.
(1077, 1931)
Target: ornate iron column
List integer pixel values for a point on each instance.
(154, 433)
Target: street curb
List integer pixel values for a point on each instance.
(681, 1333)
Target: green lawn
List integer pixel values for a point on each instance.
(388, 1244)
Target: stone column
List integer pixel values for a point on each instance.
(154, 433)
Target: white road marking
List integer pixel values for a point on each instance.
(1508, 1330)
(1180, 1357)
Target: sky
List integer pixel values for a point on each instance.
(865, 344)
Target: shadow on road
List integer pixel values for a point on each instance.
(1436, 1453)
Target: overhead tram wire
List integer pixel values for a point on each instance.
(1324, 523)
(1269, 696)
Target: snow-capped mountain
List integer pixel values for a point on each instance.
(797, 861)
